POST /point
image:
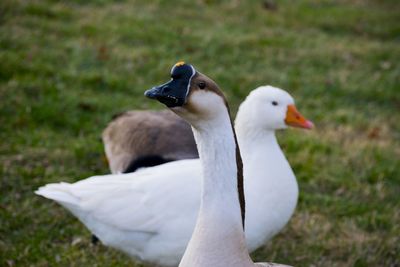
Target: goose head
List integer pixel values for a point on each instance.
(191, 94)
(270, 108)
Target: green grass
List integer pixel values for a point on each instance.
(66, 67)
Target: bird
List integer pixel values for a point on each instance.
(150, 214)
(139, 138)
(218, 238)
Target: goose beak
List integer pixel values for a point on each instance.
(174, 93)
(295, 119)
(165, 95)
(152, 93)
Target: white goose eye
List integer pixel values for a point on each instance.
(274, 103)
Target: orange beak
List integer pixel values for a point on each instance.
(295, 119)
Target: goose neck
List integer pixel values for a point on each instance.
(256, 139)
(218, 238)
(217, 151)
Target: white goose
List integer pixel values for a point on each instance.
(150, 214)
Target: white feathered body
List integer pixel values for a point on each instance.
(150, 214)
(271, 191)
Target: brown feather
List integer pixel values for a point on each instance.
(136, 134)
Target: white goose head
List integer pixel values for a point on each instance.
(270, 108)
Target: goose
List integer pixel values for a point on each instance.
(218, 238)
(139, 138)
(150, 214)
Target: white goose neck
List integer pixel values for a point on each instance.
(218, 238)
(250, 139)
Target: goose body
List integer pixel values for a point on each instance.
(150, 214)
(149, 139)
(137, 212)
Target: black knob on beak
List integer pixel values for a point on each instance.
(174, 93)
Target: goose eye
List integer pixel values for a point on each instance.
(274, 103)
(202, 85)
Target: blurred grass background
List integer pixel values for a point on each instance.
(67, 66)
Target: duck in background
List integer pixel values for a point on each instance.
(138, 138)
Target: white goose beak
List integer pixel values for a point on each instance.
(295, 119)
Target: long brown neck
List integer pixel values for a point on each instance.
(240, 183)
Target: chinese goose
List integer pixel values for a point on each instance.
(218, 239)
(150, 214)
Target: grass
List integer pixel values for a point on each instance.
(67, 66)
